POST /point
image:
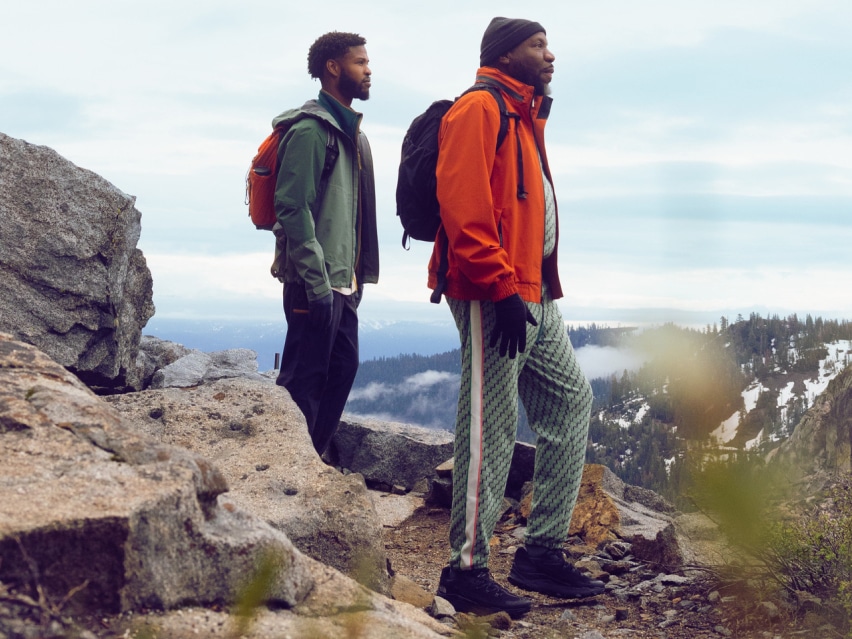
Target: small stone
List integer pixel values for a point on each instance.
(626, 596)
(618, 549)
(714, 596)
(567, 615)
(441, 608)
(421, 487)
(617, 567)
(446, 469)
(769, 610)
(723, 631)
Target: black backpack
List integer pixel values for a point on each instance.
(416, 200)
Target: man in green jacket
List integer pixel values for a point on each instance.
(326, 239)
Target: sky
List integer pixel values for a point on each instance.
(701, 150)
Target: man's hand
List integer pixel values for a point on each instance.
(320, 310)
(510, 328)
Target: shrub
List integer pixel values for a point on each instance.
(811, 555)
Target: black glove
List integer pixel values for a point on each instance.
(320, 310)
(510, 327)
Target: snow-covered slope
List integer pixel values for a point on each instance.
(839, 354)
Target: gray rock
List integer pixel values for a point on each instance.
(769, 610)
(185, 372)
(257, 437)
(95, 509)
(441, 608)
(74, 283)
(156, 353)
(90, 504)
(603, 514)
(701, 542)
(347, 614)
(196, 368)
(390, 453)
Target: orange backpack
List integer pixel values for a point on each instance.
(263, 175)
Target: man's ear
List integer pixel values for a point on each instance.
(332, 68)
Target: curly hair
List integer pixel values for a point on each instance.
(330, 46)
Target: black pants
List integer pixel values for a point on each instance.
(318, 366)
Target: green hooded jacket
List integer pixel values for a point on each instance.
(326, 234)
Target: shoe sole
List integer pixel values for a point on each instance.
(463, 604)
(553, 590)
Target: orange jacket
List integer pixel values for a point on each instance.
(496, 239)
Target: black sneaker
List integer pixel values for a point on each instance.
(552, 575)
(475, 591)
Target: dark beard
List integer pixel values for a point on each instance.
(530, 77)
(540, 87)
(353, 89)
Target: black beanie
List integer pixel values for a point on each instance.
(504, 34)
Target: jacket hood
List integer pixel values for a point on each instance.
(311, 108)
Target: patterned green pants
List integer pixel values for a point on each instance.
(557, 399)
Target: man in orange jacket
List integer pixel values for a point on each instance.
(499, 217)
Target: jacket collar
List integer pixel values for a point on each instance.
(515, 89)
(347, 118)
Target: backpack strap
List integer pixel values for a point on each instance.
(443, 266)
(331, 153)
(331, 149)
(444, 260)
(505, 115)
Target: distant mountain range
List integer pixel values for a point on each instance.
(266, 338)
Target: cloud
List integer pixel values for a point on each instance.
(603, 361)
(371, 392)
(413, 385)
(427, 379)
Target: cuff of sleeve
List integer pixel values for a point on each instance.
(318, 291)
(503, 288)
